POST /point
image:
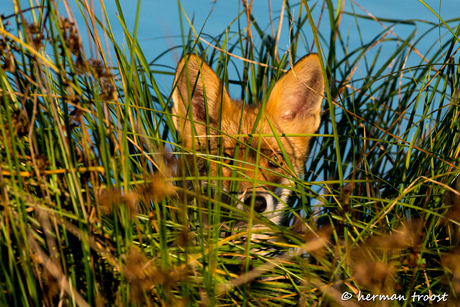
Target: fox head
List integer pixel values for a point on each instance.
(204, 113)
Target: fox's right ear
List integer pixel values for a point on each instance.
(295, 101)
(197, 90)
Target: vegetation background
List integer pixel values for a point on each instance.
(95, 208)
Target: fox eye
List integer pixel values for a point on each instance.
(276, 161)
(228, 159)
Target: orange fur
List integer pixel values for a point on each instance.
(293, 107)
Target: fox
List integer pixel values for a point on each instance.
(203, 113)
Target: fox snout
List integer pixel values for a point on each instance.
(260, 203)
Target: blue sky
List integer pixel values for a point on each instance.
(159, 25)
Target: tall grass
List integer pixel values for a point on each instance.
(95, 194)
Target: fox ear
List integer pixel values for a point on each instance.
(197, 88)
(295, 101)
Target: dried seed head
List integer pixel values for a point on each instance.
(451, 261)
(35, 34)
(143, 274)
(42, 162)
(21, 123)
(183, 237)
(8, 64)
(156, 189)
(374, 275)
(310, 234)
(111, 198)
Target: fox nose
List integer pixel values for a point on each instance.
(260, 203)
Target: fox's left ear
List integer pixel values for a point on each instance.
(295, 101)
(198, 94)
